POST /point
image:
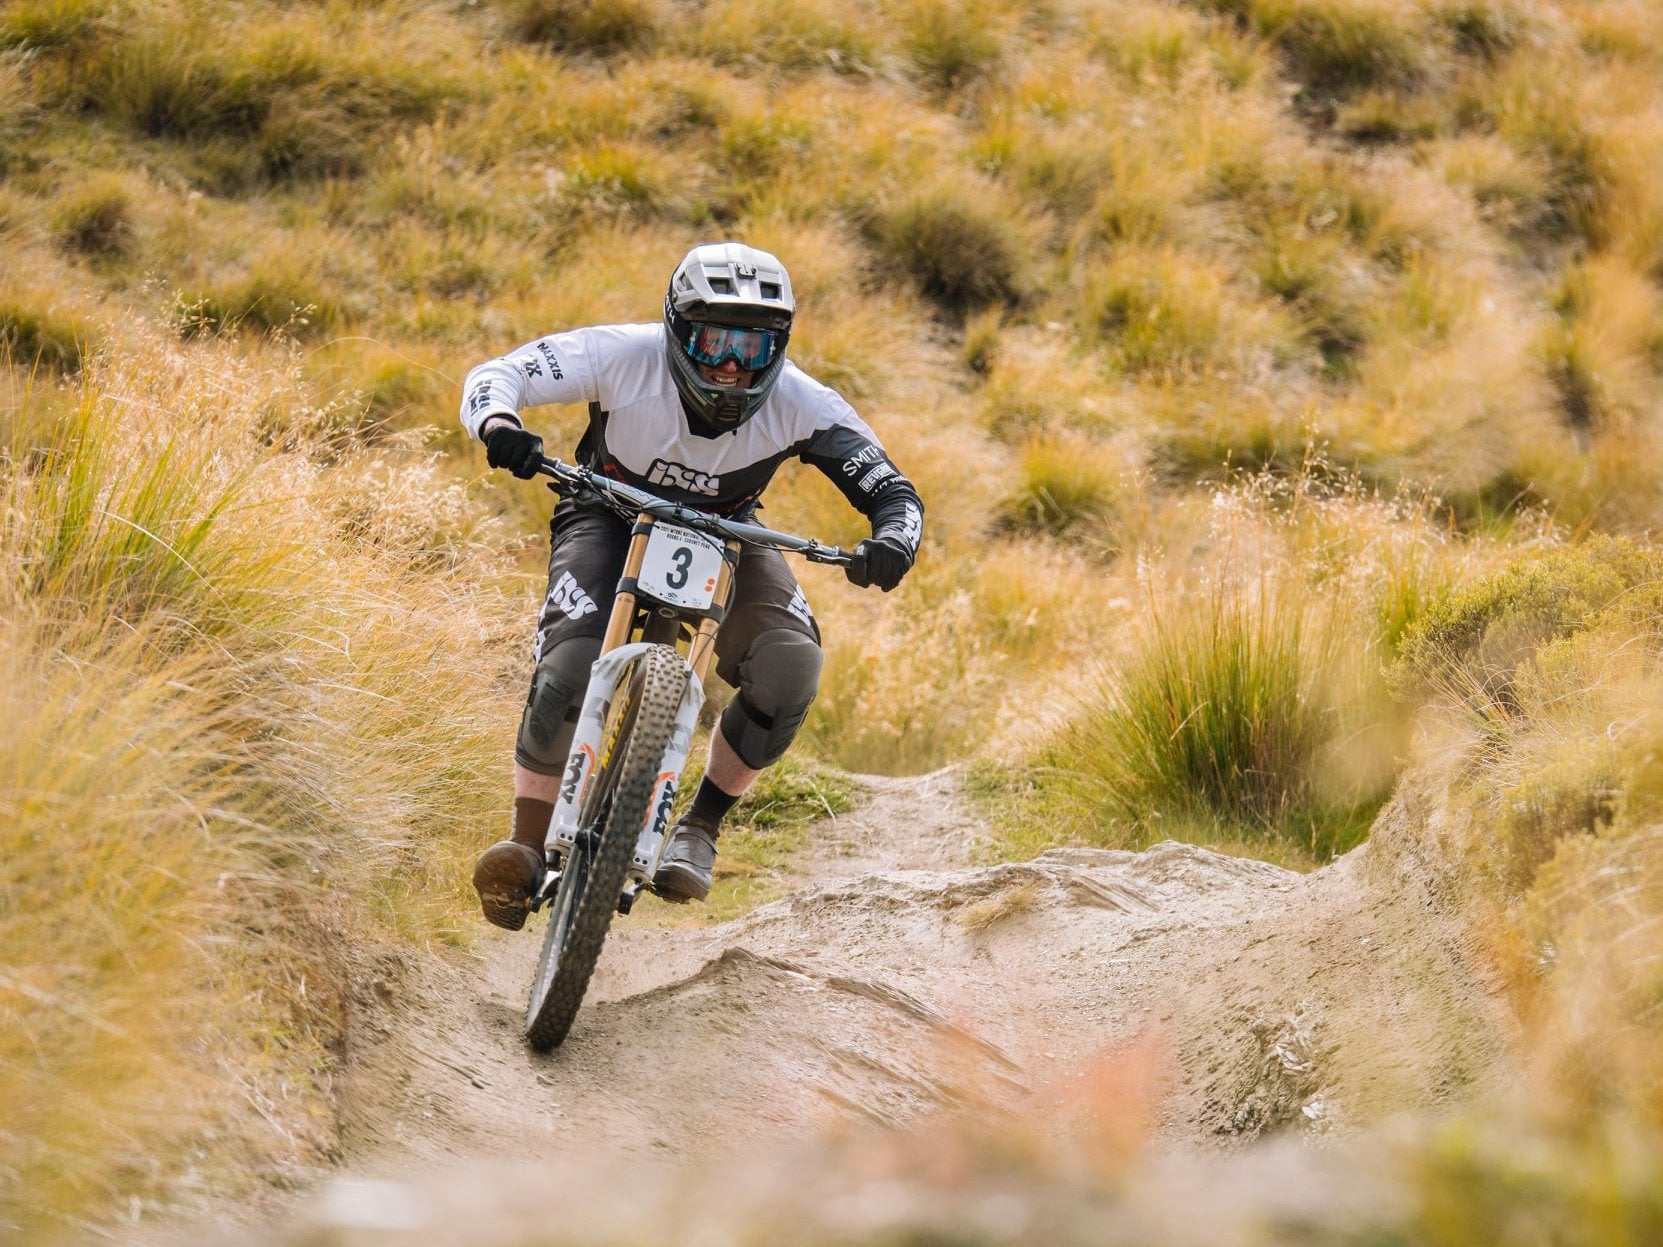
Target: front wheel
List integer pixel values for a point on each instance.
(635, 740)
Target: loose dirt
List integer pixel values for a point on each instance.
(896, 979)
(909, 1040)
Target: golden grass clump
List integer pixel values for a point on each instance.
(96, 219)
(108, 914)
(1553, 666)
(225, 715)
(603, 29)
(953, 43)
(306, 97)
(1070, 485)
(46, 24)
(1239, 699)
(1165, 315)
(794, 35)
(965, 251)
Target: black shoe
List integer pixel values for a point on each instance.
(506, 877)
(685, 866)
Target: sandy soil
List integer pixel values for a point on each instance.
(743, 1082)
(897, 979)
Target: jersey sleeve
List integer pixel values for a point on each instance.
(844, 447)
(558, 368)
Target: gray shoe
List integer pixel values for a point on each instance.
(506, 877)
(686, 864)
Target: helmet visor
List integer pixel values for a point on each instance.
(751, 349)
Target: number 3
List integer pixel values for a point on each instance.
(683, 559)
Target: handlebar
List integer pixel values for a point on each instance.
(583, 485)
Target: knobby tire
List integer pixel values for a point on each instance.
(582, 910)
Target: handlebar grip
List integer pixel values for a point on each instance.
(855, 568)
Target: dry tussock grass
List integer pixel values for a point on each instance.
(1072, 260)
(1548, 685)
(234, 698)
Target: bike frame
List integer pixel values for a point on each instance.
(640, 620)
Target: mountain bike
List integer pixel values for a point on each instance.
(636, 726)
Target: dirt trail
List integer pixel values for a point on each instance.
(898, 978)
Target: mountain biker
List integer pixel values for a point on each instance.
(701, 408)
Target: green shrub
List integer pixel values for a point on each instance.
(1323, 285)
(1536, 109)
(1511, 188)
(964, 247)
(1154, 44)
(397, 388)
(125, 539)
(18, 112)
(1206, 436)
(1066, 172)
(765, 143)
(180, 83)
(1389, 117)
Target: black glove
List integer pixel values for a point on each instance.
(880, 561)
(519, 450)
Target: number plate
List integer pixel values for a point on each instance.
(680, 567)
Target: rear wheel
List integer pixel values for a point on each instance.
(615, 808)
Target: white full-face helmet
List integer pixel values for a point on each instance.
(727, 301)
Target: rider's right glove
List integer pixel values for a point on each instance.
(519, 450)
(880, 561)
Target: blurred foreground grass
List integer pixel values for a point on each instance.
(247, 737)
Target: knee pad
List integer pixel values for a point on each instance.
(778, 680)
(551, 709)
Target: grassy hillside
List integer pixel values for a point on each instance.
(1231, 343)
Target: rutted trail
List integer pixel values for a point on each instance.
(897, 978)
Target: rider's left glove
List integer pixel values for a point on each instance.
(519, 450)
(880, 561)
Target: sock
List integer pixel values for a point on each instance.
(710, 805)
(531, 821)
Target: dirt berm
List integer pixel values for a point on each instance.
(898, 982)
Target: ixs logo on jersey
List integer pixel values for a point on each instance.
(679, 476)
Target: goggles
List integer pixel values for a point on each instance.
(751, 349)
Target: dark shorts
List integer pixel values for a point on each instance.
(586, 558)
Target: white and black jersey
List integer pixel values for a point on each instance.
(639, 433)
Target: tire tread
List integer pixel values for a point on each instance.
(661, 693)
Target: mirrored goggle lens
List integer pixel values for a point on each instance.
(750, 348)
